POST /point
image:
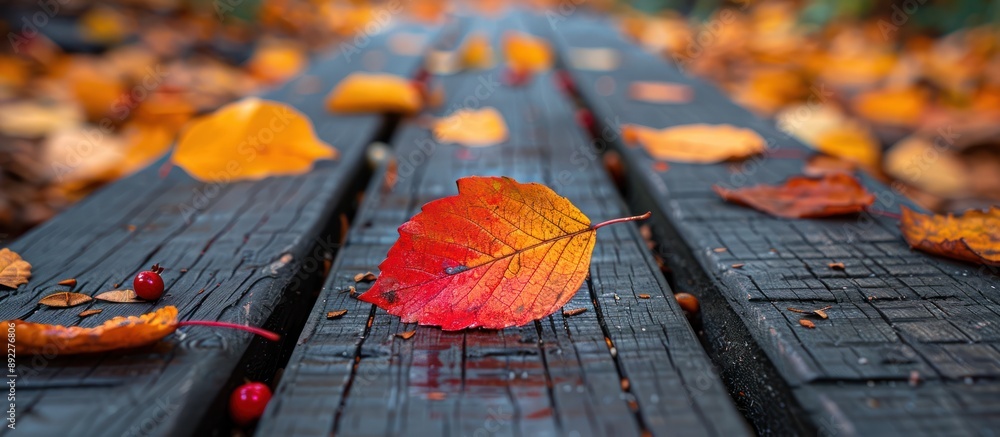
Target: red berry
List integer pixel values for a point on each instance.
(148, 284)
(248, 402)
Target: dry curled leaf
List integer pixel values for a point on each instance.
(335, 314)
(472, 128)
(406, 335)
(807, 323)
(821, 313)
(498, 254)
(14, 271)
(643, 296)
(120, 296)
(573, 312)
(696, 143)
(836, 266)
(250, 139)
(117, 333)
(804, 197)
(364, 277)
(660, 92)
(65, 299)
(973, 236)
(374, 92)
(86, 313)
(527, 52)
(67, 282)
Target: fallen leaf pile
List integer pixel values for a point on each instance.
(498, 254)
(696, 143)
(804, 197)
(848, 80)
(973, 236)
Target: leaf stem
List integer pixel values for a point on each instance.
(261, 332)
(622, 220)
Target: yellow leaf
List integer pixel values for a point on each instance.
(472, 128)
(916, 161)
(898, 107)
(276, 61)
(696, 143)
(14, 271)
(851, 142)
(526, 52)
(250, 139)
(477, 52)
(120, 296)
(374, 92)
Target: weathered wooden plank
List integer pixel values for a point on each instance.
(898, 315)
(561, 375)
(245, 252)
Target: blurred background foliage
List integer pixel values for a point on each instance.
(906, 90)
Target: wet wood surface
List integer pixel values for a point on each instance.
(911, 343)
(245, 252)
(625, 366)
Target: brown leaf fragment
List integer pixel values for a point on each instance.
(436, 396)
(807, 323)
(738, 265)
(14, 271)
(643, 296)
(86, 313)
(573, 312)
(120, 296)
(364, 277)
(836, 266)
(821, 313)
(67, 282)
(65, 299)
(352, 290)
(336, 314)
(719, 249)
(406, 335)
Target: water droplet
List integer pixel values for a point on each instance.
(455, 270)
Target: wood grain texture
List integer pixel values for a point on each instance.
(896, 314)
(558, 376)
(244, 252)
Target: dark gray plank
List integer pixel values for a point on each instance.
(222, 245)
(561, 375)
(897, 314)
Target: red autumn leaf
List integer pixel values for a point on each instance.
(804, 197)
(499, 254)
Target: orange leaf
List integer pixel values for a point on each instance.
(250, 139)
(14, 271)
(498, 254)
(660, 92)
(374, 92)
(65, 299)
(472, 128)
(477, 53)
(117, 333)
(897, 107)
(851, 142)
(804, 197)
(526, 52)
(276, 61)
(973, 236)
(696, 143)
